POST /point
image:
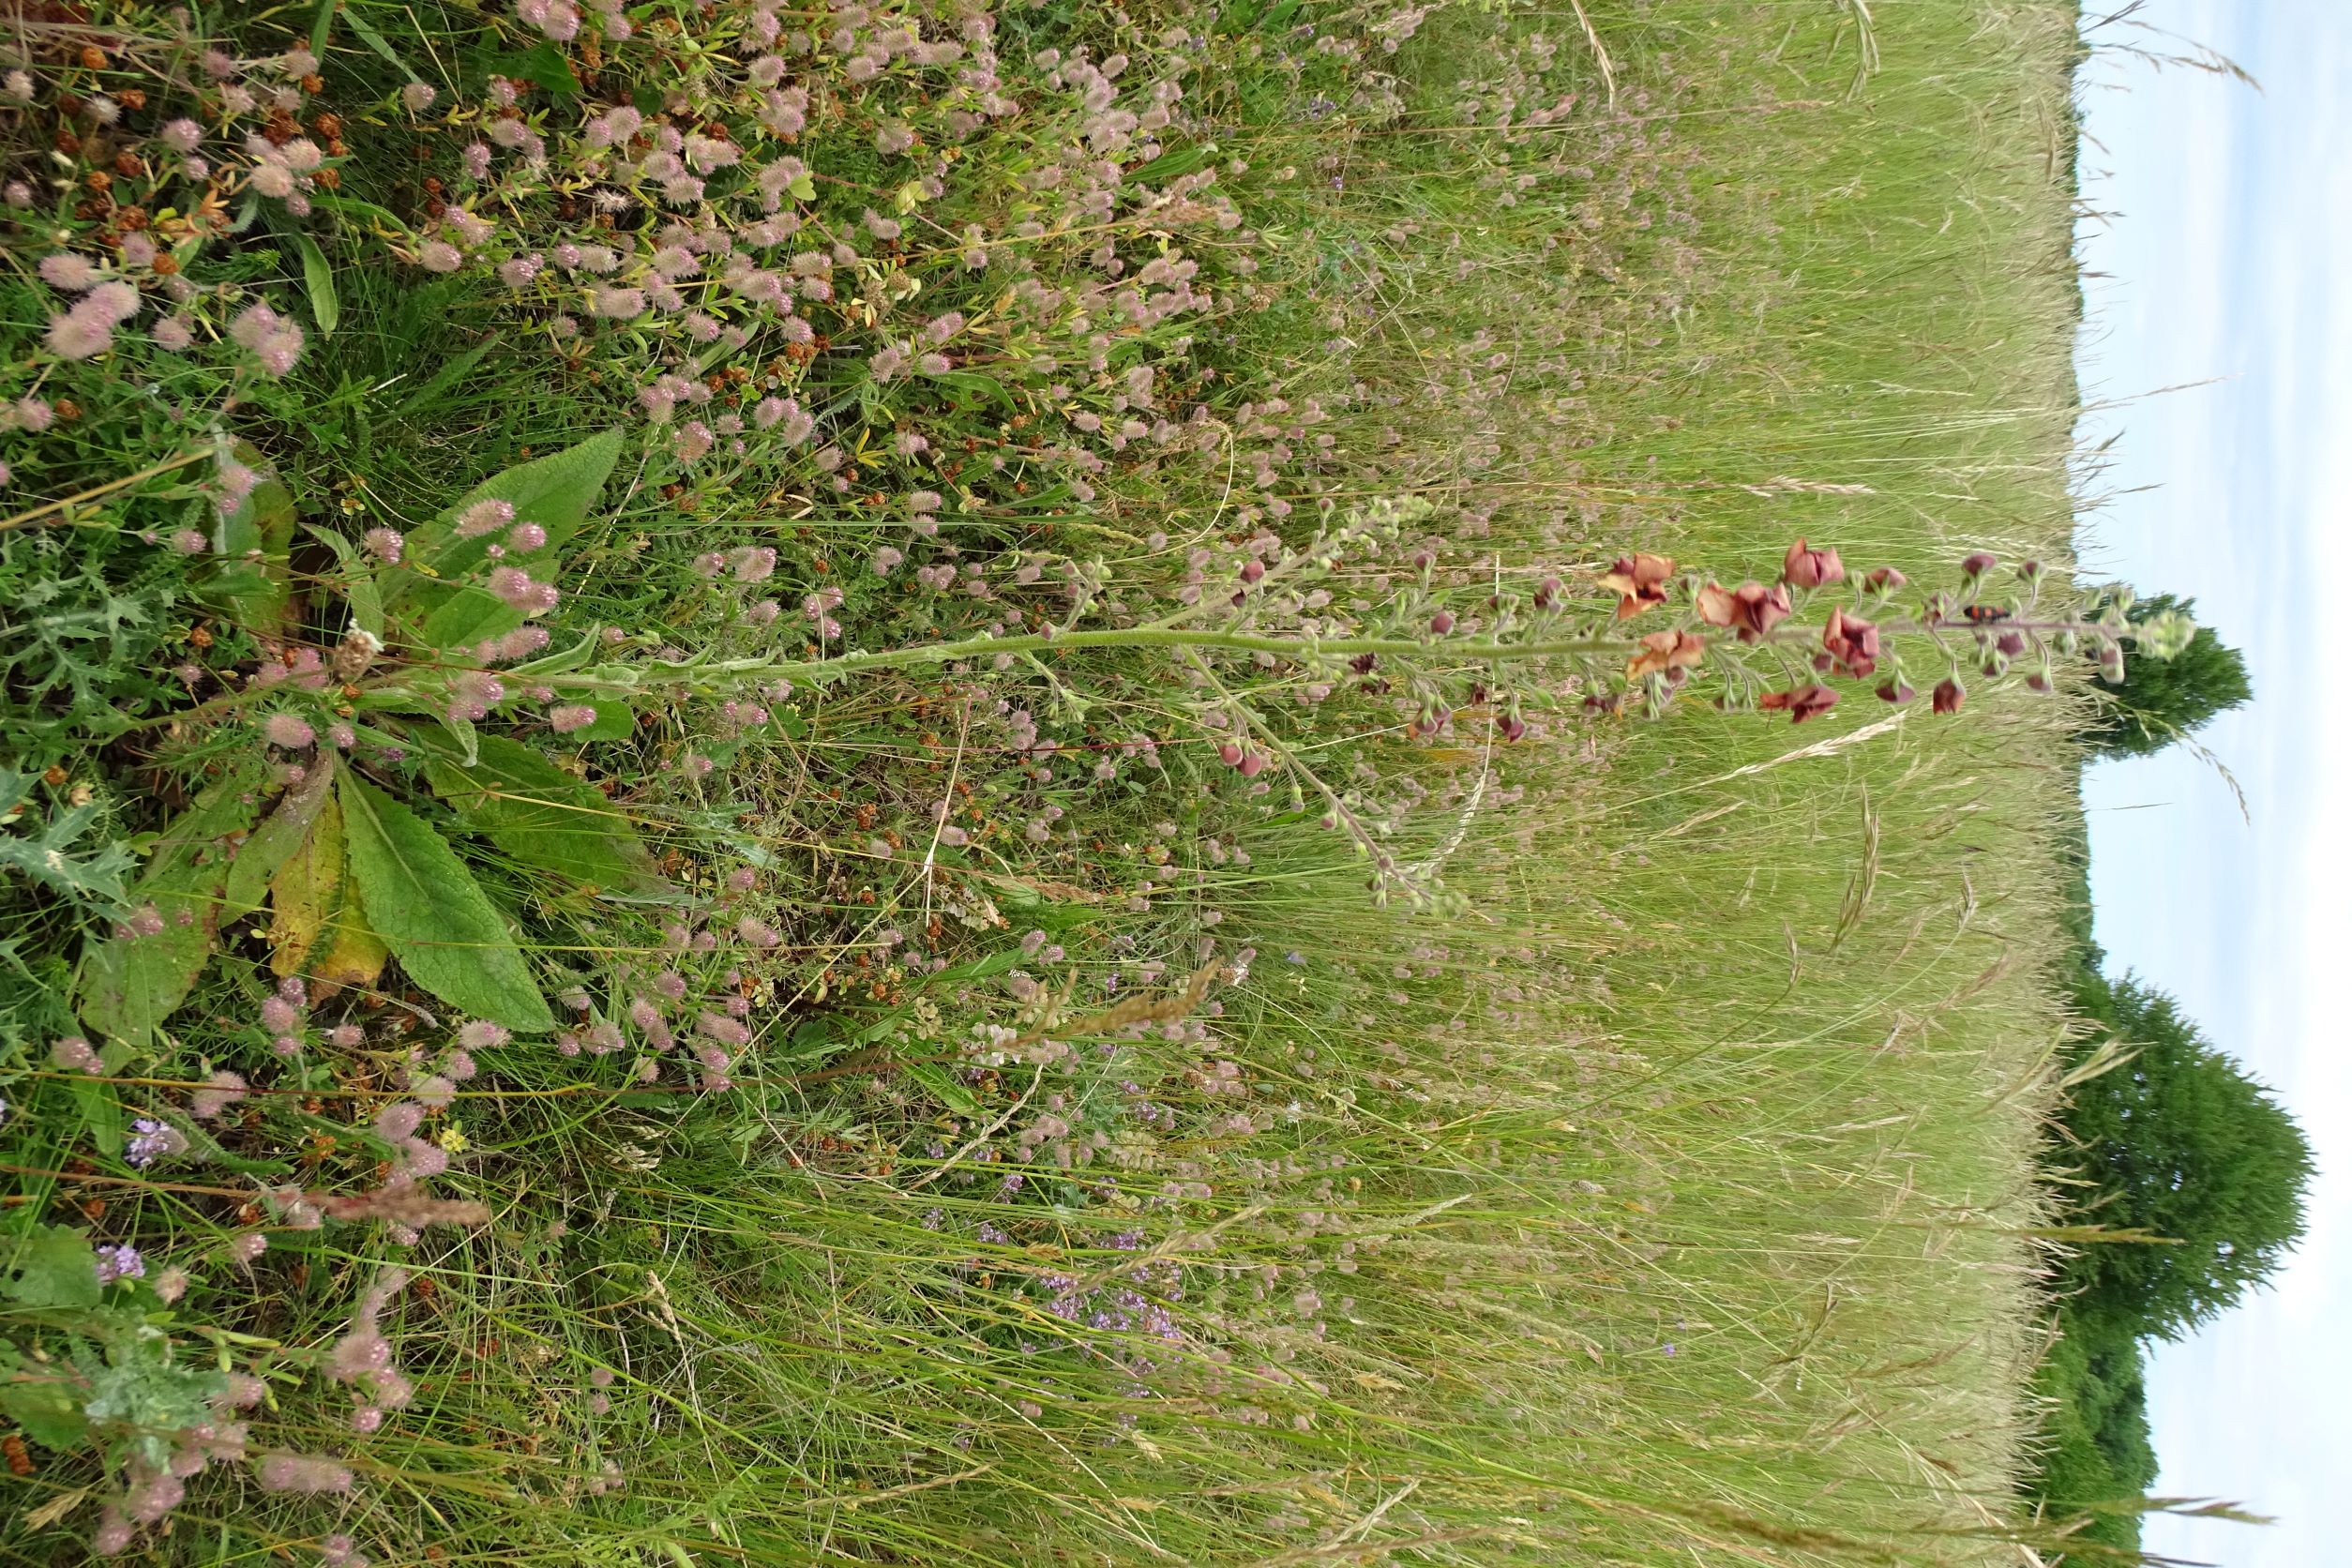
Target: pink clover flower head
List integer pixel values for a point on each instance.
(481, 1034)
(114, 1533)
(575, 716)
(224, 1090)
(79, 333)
(69, 271)
(418, 96)
(360, 1353)
(386, 544)
(273, 341)
(398, 1120)
(485, 517)
(518, 588)
(616, 304)
(182, 135)
(302, 1473)
(73, 1054)
(439, 255)
(173, 335)
(288, 730)
(190, 541)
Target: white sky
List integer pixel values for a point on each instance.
(2227, 252)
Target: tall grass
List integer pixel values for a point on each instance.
(1667, 1201)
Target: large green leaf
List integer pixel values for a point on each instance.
(130, 983)
(318, 281)
(53, 1267)
(420, 896)
(250, 583)
(278, 837)
(556, 492)
(541, 815)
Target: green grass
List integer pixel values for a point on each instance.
(1669, 1200)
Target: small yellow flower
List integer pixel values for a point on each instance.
(453, 1139)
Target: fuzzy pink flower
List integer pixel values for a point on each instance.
(226, 1089)
(484, 517)
(288, 730)
(565, 720)
(398, 1120)
(73, 1054)
(302, 1473)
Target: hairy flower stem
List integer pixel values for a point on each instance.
(820, 670)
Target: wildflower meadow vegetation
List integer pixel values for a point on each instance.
(943, 782)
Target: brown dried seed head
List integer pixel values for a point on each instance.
(93, 57)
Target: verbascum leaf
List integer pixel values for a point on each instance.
(349, 952)
(433, 914)
(556, 492)
(541, 815)
(251, 584)
(130, 982)
(278, 836)
(305, 890)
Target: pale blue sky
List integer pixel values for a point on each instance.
(2227, 252)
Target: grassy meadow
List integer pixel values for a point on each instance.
(1644, 1176)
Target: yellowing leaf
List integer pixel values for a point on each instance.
(281, 835)
(305, 890)
(353, 953)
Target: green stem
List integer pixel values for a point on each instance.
(1134, 637)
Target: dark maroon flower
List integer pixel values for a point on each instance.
(1547, 594)
(1977, 564)
(1807, 567)
(1851, 644)
(2010, 643)
(1895, 691)
(1667, 653)
(1948, 695)
(1253, 765)
(1808, 701)
(1750, 609)
(1253, 570)
(1441, 623)
(1229, 754)
(1514, 728)
(1639, 581)
(1885, 580)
